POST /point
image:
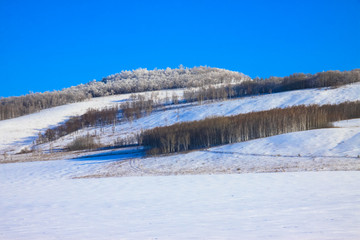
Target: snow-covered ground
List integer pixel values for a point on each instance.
(40, 200)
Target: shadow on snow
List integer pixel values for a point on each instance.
(112, 156)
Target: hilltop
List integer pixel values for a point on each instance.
(124, 82)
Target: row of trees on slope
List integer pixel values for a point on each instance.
(91, 118)
(125, 82)
(223, 130)
(12, 107)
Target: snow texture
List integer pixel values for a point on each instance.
(39, 200)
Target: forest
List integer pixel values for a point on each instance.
(243, 127)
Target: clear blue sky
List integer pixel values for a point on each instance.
(47, 45)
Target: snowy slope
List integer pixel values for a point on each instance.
(342, 141)
(22, 131)
(223, 108)
(19, 132)
(315, 150)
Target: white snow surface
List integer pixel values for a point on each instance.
(40, 200)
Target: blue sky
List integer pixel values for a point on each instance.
(50, 45)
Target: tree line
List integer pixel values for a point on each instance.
(12, 107)
(273, 85)
(243, 127)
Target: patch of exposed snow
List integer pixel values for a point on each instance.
(347, 123)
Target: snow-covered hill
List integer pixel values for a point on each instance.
(20, 132)
(186, 112)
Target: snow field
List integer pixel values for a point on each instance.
(306, 205)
